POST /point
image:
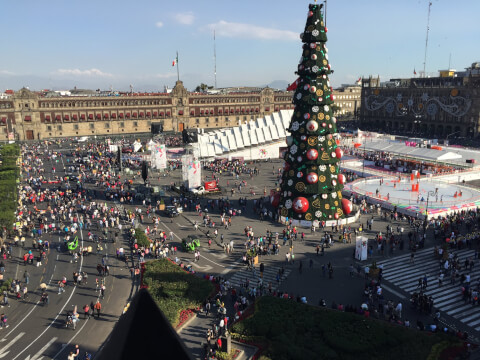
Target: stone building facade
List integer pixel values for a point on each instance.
(28, 115)
(428, 107)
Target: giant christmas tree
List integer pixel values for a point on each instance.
(311, 186)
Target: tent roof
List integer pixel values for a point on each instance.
(412, 152)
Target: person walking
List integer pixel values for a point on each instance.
(26, 276)
(98, 308)
(3, 321)
(86, 311)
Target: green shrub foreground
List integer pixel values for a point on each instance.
(9, 175)
(174, 289)
(297, 331)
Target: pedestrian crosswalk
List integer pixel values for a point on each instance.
(239, 278)
(405, 274)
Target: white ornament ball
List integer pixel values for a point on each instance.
(312, 126)
(299, 159)
(313, 57)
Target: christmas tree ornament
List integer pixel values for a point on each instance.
(341, 179)
(312, 178)
(312, 154)
(300, 205)
(312, 126)
(347, 206)
(339, 152)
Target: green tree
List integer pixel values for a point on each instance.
(202, 87)
(311, 186)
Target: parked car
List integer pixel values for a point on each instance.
(171, 211)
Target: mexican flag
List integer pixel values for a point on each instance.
(175, 61)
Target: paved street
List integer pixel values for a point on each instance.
(36, 330)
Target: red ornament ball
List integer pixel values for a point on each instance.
(339, 152)
(326, 30)
(312, 154)
(310, 13)
(313, 89)
(300, 205)
(313, 57)
(332, 97)
(347, 206)
(312, 178)
(306, 116)
(324, 124)
(313, 45)
(336, 216)
(342, 179)
(275, 199)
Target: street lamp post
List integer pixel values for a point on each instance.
(456, 132)
(430, 193)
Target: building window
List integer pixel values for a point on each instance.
(75, 126)
(238, 118)
(92, 126)
(107, 125)
(122, 124)
(59, 127)
(49, 128)
(135, 123)
(197, 121)
(226, 119)
(206, 120)
(245, 118)
(149, 123)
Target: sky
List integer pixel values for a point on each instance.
(59, 44)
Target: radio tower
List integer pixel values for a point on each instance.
(426, 41)
(215, 59)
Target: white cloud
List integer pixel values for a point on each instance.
(78, 72)
(6, 72)
(165, 75)
(159, 24)
(184, 18)
(248, 31)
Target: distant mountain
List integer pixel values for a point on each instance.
(278, 84)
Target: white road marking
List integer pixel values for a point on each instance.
(70, 341)
(60, 312)
(203, 268)
(38, 355)
(6, 347)
(237, 263)
(393, 292)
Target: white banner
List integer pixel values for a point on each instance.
(158, 156)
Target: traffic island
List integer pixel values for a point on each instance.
(178, 293)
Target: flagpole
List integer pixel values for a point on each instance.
(178, 71)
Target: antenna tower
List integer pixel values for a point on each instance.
(214, 59)
(426, 41)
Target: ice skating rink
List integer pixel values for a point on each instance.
(442, 199)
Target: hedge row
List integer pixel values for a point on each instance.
(298, 331)
(9, 176)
